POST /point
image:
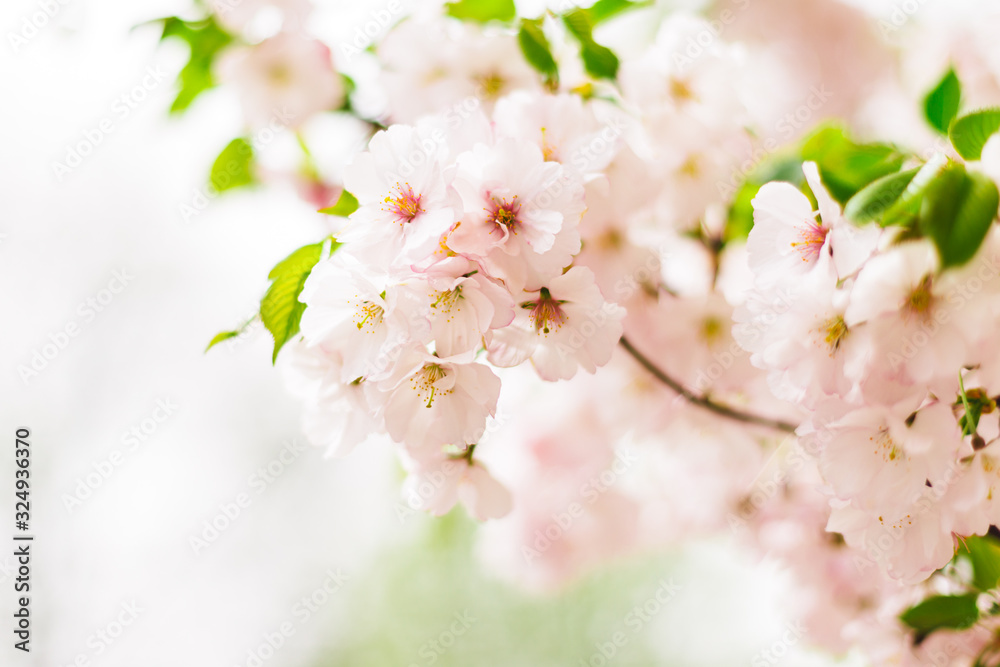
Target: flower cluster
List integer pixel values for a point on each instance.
(512, 202)
(457, 261)
(866, 331)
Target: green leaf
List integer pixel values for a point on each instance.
(602, 10)
(234, 166)
(906, 211)
(226, 335)
(970, 132)
(482, 10)
(985, 555)
(942, 611)
(205, 39)
(346, 204)
(969, 420)
(599, 61)
(873, 200)
(941, 104)
(957, 212)
(536, 50)
(975, 403)
(280, 309)
(845, 166)
(221, 336)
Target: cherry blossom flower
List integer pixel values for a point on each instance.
(521, 213)
(463, 305)
(562, 327)
(787, 239)
(283, 80)
(428, 401)
(359, 315)
(436, 483)
(406, 204)
(435, 64)
(799, 334)
(337, 415)
(916, 338)
(565, 128)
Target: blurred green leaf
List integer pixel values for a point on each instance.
(969, 133)
(876, 198)
(941, 104)
(846, 166)
(482, 10)
(602, 10)
(396, 617)
(346, 204)
(957, 211)
(205, 39)
(234, 166)
(906, 211)
(985, 555)
(599, 61)
(942, 612)
(536, 50)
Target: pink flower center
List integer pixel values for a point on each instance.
(503, 213)
(812, 236)
(405, 206)
(546, 313)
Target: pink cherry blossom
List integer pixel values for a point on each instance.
(284, 80)
(522, 213)
(429, 401)
(564, 326)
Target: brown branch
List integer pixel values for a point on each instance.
(704, 401)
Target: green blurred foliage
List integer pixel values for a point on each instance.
(414, 594)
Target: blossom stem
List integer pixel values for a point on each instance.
(704, 401)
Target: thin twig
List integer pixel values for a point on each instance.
(704, 401)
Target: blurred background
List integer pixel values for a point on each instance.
(180, 519)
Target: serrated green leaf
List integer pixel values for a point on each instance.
(845, 166)
(969, 133)
(536, 50)
(346, 204)
(941, 104)
(234, 166)
(957, 211)
(280, 309)
(942, 612)
(875, 199)
(599, 61)
(482, 10)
